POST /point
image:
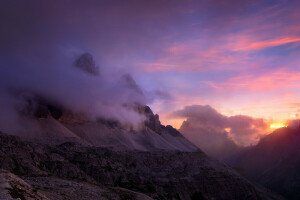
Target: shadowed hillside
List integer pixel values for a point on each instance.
(275, 162)
(158, 174)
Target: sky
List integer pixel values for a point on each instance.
(241, 58)
(238, 57)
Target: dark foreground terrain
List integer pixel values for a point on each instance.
(70, 171)
(275, 162)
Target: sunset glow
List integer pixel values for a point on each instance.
(150, 99)
(241, 58)
(277, 125)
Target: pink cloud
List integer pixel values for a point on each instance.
(249, 46)
(266, 82)
(190, 57)
(153, 67)
(200, 119)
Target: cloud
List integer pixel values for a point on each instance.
(44, 49)
(191, 58)
(246, 130)
(174, 40)
(268, 43)
(229, 36)
(109, 96)
(270, 81)
(210, 129)
(205, 116)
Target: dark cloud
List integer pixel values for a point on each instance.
(106, 29)
(127, 31)
(217, 134)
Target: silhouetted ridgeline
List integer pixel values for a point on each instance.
(275, 162)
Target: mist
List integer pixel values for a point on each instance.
(47, 58)
(96, 96)
(218, 135)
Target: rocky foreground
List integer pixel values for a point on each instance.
(46, 188)
(72, 171)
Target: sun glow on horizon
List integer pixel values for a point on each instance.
(277, 125)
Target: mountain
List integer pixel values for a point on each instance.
(275, 162)
(50, 123)
(60, 154)
(13, 187)
(48, 171)
(94, 138)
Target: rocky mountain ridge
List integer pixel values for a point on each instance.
(157, 174)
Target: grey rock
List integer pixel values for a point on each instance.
(13, 187)
(86, 63)
(52, 188)
(157, 174)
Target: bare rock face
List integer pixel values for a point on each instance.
(36, 106)
(53, 188)
(152, 120)
(157, 174)
(13, 187)
(86, 63)
(61, 189)
(172, 131)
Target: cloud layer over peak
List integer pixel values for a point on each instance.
(213, 132)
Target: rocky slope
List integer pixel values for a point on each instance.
(47, 188)
(53, 170)
(49, 123)
(275, 162)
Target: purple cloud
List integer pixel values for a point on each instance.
(210, 128)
